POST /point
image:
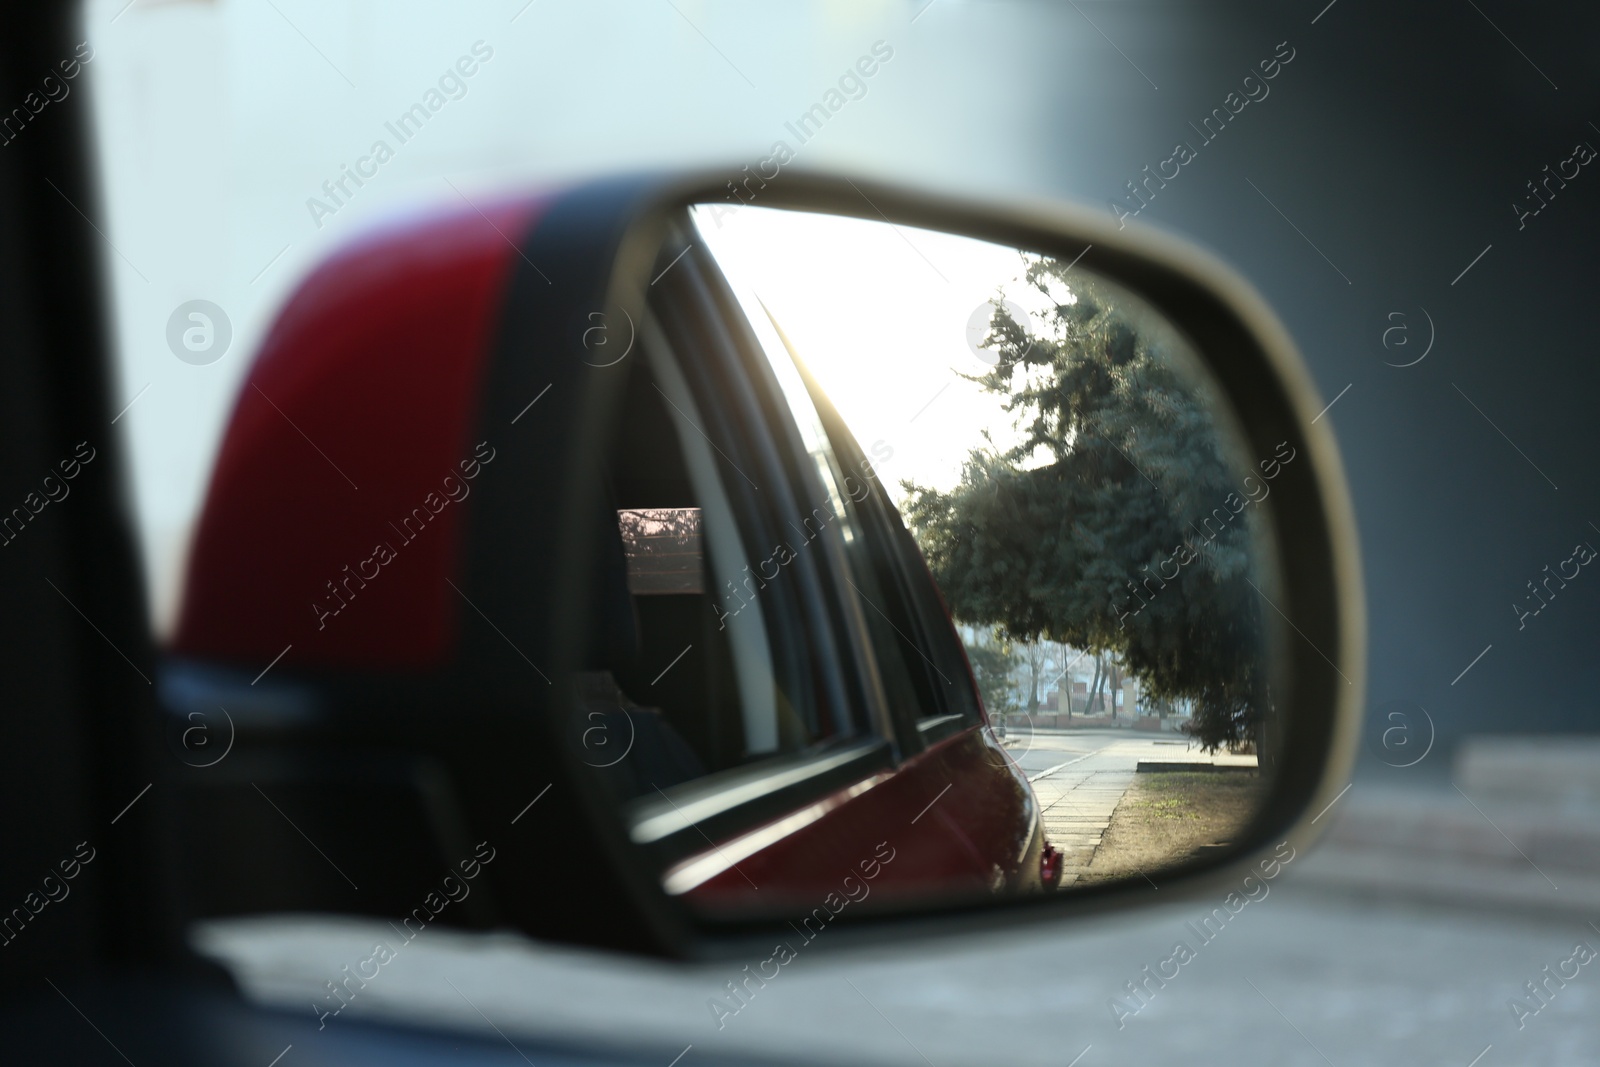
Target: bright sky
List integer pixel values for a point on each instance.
(881, 316)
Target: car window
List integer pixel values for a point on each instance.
(929, 644)
(709, 674)
(879, 565)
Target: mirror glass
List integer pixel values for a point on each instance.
(950, 569)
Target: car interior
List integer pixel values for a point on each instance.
(701, 675)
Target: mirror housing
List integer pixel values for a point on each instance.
(488, 342)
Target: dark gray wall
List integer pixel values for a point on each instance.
(1397, 142)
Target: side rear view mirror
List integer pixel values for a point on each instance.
(701, 563)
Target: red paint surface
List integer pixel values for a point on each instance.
(970, 838)
(361, 402)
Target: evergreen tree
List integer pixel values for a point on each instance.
(1116, 523)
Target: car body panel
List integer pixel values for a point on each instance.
(959, 817)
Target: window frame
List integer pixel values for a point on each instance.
(921, 600)
(747, 418)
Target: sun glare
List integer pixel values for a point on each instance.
(880, 315)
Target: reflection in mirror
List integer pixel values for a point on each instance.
(956, 579)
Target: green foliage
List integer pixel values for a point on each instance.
(1114, 524)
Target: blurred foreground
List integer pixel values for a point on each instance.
(1403, 938)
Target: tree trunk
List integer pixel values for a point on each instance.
(1260, 737)
(1033, 680)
